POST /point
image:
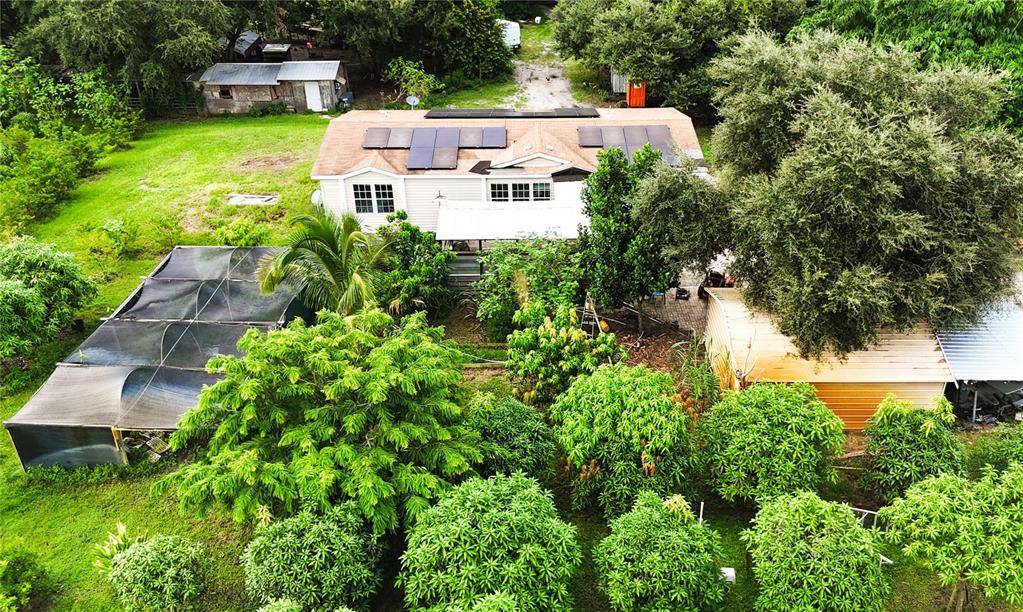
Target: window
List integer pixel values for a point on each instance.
(364, 199)
(385, 198)
(499, 192)
(225, 93)
(541, 191)
(520, 192)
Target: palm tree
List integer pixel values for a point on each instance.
(337, 265)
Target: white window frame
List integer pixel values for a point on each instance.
(372, 194)
(531, 185)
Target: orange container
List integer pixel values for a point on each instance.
(635, 94)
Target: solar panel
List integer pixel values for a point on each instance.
(423, 137)
(400, 138)
(589, 136)
(494, 138)
(447, 137)
(420, 158)
(375, 138)
(658, 134)
(635, 135)
(612, 136)
(470, 138)
(445, 158)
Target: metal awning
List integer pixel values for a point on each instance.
(991, 349)
(508, 220)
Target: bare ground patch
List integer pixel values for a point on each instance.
(269, 162)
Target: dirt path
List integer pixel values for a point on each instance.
(542, 86)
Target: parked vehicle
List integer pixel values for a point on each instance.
(512, 33)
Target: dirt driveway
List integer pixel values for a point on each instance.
(542, 87)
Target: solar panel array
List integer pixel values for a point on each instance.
(434, 148)
(508, 113)
(628, 138)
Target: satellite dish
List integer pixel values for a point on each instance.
(412, 101)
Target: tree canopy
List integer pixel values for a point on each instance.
(348, 409)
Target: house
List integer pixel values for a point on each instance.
(473, 176)
(746, 347)
(143, 368)
(236, 88)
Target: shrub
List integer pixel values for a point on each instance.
(281, 605)
(965, 531)
(22, 579)
(659, 557)
(22, 318)
(515, 437)
(418, 268)
(999, 449)
(255, 111)
(622, 432)
(500, 536)
(122, 236)
(56, 276)
(101, 104)
(274, 108)
(164, 572)
(243, 232)
(547, 358)
(314, 561)
(545, 272)
(770, 439)
(38, 179)
(701, 387)
(907, 444)
(810, 554)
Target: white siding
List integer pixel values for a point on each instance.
(339, 196)
(421, 196)
(333, 194)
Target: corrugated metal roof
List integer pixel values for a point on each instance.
(309, 71)
(990, 350)
(764, 353)
(242, 74)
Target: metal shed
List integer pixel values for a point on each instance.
(301, 85)
(746, 345)
(143, 368)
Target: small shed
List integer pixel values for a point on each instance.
(238, 87)
(746, 346)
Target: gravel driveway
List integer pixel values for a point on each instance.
(542, 87)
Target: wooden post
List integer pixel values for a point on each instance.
(117, 444)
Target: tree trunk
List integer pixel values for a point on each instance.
(959, 597)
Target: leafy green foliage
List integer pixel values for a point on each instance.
(965, 531)
(164, 572)
(476, 45)
(319, 562)
(701, 387)
(546, 359)
(410, 79)
(998, 449)
(243, 232)
(53, 274)
(116, 543)
(500, 536)
(770, 439)
(338, 266)
(22, 580)
(845, 165)
(538, 271)
(980, 34)
(623, 262)
(40, 173)
(810, 554)
(122, 235)
(907, 444)
(623, 433)
(350, 408)
(281, 605)
(22, 318)
(417, 267)
(515, 436)
(659, 557)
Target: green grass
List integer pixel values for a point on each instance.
(586, 84)
(538, 44)
(487, 95)
(703, 133)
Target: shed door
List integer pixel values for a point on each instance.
(312, 96)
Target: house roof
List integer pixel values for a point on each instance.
(341, 151)
(270, 74)
(764, 353)
(989, 350)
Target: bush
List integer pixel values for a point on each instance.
(515, 437)
(659, 557)
(810, 554)
(40, 177)
(315, 561)
(22, 579)
(56, 276)
(701, 387)
(274, 108)
(282, 605)
(417, 268)
(102, 106)
(122, 236)
(770, 439)
(544, 272)
(243, 232)
(547, 358)
(22, 318)
(622, 432)
(906, 444)
(164, 572)
(497, 537)
(998, 449)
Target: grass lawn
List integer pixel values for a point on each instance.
(703, 133)
(487, 95)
